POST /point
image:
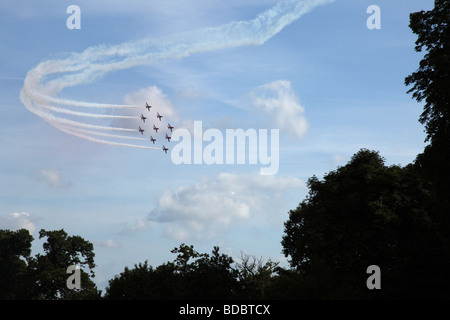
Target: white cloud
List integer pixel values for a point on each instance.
(282, 105)
(190, 93)
(52, 177)
(18, 220)
(155, 97)
(337, 159)
(139, 225)
(110, 243)
(208, 208)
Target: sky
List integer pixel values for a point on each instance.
(307, 76)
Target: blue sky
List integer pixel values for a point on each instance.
(327, 82)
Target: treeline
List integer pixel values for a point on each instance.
(361, 214)
(194, 275)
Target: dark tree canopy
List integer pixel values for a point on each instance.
(431, 82)
(15, 250)
(44, 276)
(194, 275)
(49, 269)
(362, 214)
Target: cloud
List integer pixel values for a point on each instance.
(44, 82)
(210, 207)
(52, 177)
(337, 159)
(279, 101)
(139, 225)
(18, 220)
(110, 243)
(190, 93)
(154, 97)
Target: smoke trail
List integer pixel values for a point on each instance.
(40, 96)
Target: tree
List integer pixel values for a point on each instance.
(138, 283)
(432, 80)
(255, 277)
(192, 275)
(44, 276)
(49, 270)
(361, 214)
(15, 250)
(212, 277)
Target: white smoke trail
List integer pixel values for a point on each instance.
(86, 114)
(109, 135)
(107, 142)
(40, 96)
(51, 118)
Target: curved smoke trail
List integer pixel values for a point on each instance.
(40, 95)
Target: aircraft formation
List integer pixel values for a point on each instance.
(155, 128)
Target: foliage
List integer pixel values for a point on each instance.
(361, 214)
(44, 276)
(431, 82)
(194, 275)
(432, 79)
(15, 250)
(255, 276)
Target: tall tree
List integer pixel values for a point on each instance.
(15, 250)
(432, 79)
(255, 277)
(362, 214)
(49, 270)
(431, 82)
(44, 275)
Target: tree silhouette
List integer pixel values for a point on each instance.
(15, 250)
(44, 276)
(192, 275)
(432, 79)
(431, 82)
(361, 214)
